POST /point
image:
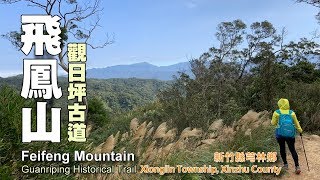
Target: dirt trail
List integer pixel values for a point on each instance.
(312, 146)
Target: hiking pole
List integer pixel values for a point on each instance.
(304, 151)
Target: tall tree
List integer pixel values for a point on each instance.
(78, 19)
(74, 17)
(243, 71)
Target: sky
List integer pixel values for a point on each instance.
(163, 32)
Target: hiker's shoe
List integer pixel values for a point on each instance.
(298, 170)
(285, 167)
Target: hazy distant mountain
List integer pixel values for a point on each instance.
(142, 70)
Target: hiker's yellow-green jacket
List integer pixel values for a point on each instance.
(284, 108)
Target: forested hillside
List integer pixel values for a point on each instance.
(118, 94)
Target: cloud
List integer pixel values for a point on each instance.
(191, 4)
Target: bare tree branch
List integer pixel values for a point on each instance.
(51, 5)
(107, 42)
(62, 63)
(36, 4)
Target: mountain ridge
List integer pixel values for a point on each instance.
(142, 70)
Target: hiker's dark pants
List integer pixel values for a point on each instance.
(290, 142)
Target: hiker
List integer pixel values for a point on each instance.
(287, 124)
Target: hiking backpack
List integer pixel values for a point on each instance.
(286, 127)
